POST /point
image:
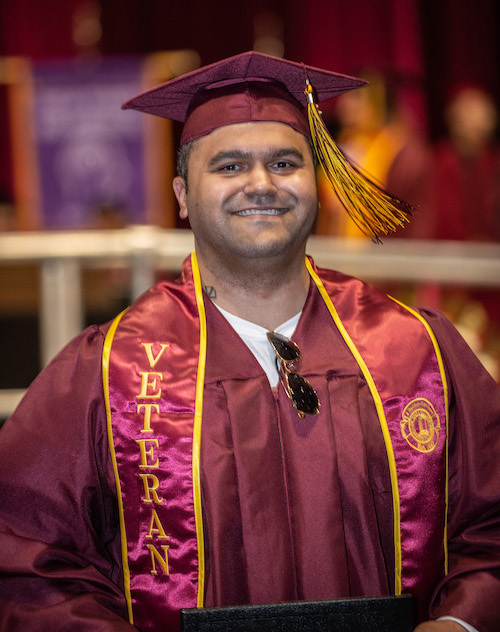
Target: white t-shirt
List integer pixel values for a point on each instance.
(254, 336)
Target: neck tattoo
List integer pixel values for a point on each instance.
(210, 291)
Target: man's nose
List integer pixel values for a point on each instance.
(260, 182)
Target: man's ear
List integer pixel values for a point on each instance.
(180, 190)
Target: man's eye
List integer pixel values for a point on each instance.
(283, 164)
(229, 168)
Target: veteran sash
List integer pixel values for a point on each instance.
(153, 371)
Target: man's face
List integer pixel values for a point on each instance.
(251, 192)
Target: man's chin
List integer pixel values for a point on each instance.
(266, 249)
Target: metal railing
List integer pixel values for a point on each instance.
(144, 249)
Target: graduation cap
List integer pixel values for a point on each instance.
(257, 87)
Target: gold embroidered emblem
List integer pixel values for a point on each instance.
(420, 425)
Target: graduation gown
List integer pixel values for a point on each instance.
(293, 509)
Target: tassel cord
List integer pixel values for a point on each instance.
(372, 208)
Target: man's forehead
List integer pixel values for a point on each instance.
(255, 136)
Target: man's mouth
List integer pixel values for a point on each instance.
(261, 211)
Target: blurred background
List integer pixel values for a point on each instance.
(87, 216)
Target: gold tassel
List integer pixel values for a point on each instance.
(373, 209)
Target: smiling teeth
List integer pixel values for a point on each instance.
(256, 211)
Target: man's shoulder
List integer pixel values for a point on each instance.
(175, 291)
(340, 282)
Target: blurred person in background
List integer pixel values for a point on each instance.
(466, 207)
(466, 169)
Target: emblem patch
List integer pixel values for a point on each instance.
(420, 425)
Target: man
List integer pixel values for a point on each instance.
(190, 454)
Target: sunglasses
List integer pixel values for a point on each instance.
(299, 390)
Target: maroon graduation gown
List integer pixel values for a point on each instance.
(293, 509)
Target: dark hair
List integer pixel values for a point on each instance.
(183, 159)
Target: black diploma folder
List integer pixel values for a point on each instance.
(374, 614)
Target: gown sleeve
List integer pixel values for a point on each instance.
(59, 531)
(471, 591)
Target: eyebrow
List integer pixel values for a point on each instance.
(237, 154)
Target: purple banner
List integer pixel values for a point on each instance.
(90, 153)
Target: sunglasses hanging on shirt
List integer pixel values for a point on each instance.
(299, 390)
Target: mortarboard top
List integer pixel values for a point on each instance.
(173, 99)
